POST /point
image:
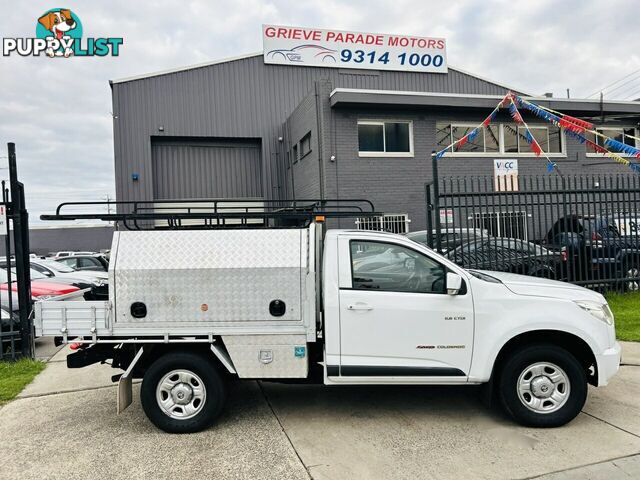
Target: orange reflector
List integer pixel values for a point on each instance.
(319, 218)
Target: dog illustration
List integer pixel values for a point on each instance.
(58, 23)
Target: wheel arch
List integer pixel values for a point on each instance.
(154, 351)
(578, 347)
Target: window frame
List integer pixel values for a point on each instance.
(392, 244)
(615, 127)
(383, 154)
(501, 153)
(301, 143)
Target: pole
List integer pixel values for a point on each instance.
(20, 218)
(429, 211)
(436, 200)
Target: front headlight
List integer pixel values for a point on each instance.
(600, 311)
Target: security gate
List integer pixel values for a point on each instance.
(582, 228)
(16, 331)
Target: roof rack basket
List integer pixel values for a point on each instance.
(215, 213)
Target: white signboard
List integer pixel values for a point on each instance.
(446, 216)
(340, 49)
(505, 174)
(3, 220)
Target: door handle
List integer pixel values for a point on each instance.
(360, 306)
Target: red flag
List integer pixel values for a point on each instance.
(576, 121)
(535, 147)
(462, 141)
(596, 148)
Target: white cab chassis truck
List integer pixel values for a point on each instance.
(190, 310)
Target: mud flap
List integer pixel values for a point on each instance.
(125, 388)
(125, 393)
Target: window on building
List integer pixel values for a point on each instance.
(305, 145)
(394, 223)
(294, 153)
(498, 138)
(621, 134)
(515, 140)
(385, 138)
(503, 224)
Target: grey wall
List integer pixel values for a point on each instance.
(45, 240)
(240, 99)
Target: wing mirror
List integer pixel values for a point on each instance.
(454, 283)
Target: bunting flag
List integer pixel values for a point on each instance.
(515, 114)
(595, 147)
(622, 147)
(577, 127)
(472, 134)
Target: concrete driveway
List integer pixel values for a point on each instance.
(64, 426)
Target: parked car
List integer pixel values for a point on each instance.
(97, 281)
(69, 253)
(596, 251)
(9, 321)
(41, 288)
(450, 238)
(94, 261)
(90, 290)
(509, 255)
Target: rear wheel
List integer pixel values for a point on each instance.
(543, 386)
(182, 392)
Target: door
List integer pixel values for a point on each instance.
(396, 319)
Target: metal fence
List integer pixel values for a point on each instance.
(16, 338)
(580, 229)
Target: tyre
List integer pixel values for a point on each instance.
(542, 386)
(182, 392)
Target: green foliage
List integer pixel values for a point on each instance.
(14, 376)
(626, 310)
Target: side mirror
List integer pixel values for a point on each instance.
(454, 283)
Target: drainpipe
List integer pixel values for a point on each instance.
(320, 141)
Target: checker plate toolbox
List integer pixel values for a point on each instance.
(241, 272)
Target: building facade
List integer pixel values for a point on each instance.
(241, 128)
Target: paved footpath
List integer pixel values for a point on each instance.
(64, 426)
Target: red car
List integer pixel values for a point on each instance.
(39, 289)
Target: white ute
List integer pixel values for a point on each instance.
(189, 310)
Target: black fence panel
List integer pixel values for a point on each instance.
(16, 325)
(579, 229)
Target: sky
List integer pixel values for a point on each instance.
(58, 111)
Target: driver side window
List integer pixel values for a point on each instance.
(393, 268)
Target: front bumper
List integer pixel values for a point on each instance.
(608, 364)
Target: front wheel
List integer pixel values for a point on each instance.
(182, 392)
(543, 386)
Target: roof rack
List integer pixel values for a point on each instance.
(217, 212)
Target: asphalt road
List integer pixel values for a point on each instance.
(64, 426)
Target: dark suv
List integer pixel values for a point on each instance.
(508, 255)
(596, 251)
(450, 238)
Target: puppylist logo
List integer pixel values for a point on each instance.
(59, 34)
